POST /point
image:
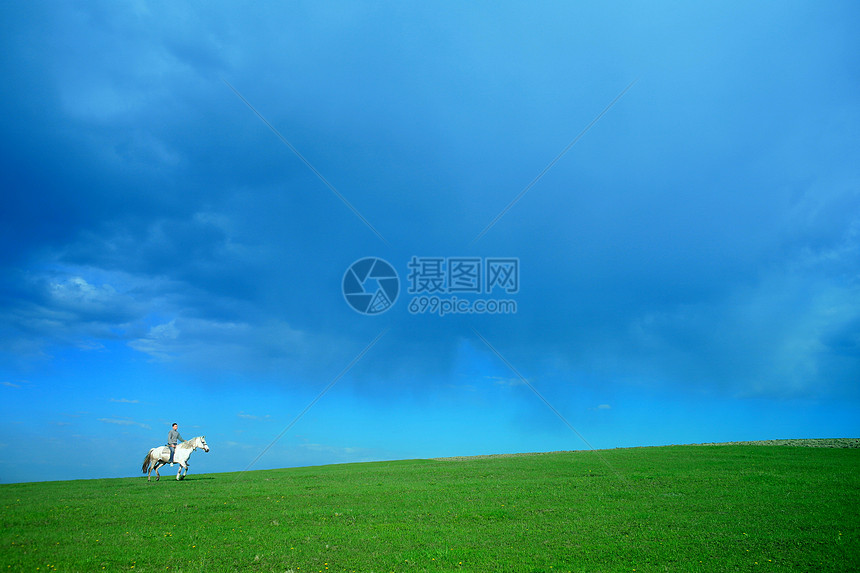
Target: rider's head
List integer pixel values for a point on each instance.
(175, 425)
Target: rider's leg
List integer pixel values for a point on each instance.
(172, 451)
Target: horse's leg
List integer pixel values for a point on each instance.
(183, 467)
(152, 466)
(158, 464)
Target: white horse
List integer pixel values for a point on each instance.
(160, 455)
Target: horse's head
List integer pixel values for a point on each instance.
(203, 444)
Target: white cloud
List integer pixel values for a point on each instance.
(63, 307)
(506, 380)
(226, 345)
(76, 295)
(124, 422)
(245, 416)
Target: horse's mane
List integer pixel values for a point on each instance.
(187, 443)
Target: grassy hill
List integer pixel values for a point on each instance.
(675, 508)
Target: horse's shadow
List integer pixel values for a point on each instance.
(186, 478)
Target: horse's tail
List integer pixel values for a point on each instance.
(147, 461)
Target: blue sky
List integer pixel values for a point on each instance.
(689, 270)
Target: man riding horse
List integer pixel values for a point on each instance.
(173, 438)
(157, 456)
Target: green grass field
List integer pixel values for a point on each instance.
(676, 508)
